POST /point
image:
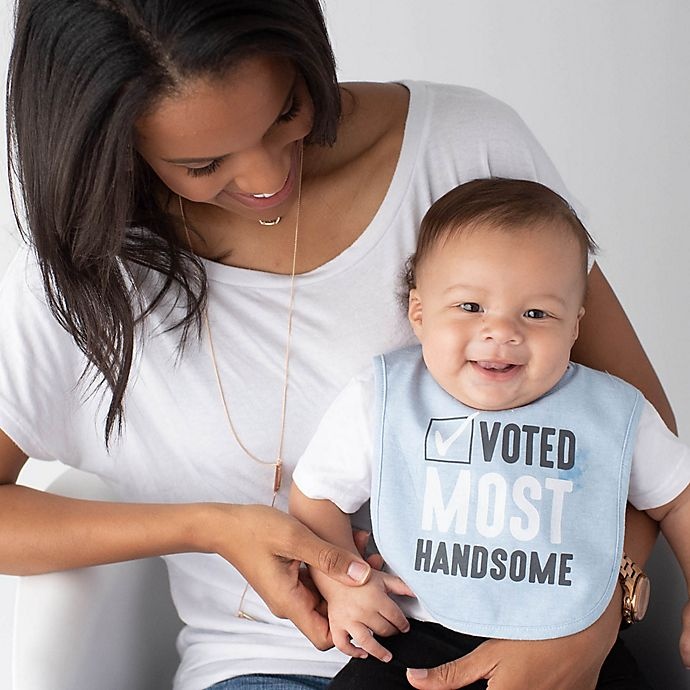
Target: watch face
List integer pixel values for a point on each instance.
(640, 597)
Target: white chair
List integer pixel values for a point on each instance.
(114, 627)
(109, 627)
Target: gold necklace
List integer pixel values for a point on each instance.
(278, 462)
(269, 223)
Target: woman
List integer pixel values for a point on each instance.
(206, 205)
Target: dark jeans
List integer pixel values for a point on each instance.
(428, 644)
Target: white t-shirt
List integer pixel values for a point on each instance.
(176, 445)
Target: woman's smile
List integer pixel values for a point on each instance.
(264, 201)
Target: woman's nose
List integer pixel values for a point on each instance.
(262, 171)
(502, 330)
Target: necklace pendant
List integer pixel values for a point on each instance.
(269, 223)
(278, 476)
(245, 616)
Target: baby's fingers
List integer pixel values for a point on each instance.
(394, 585)
(341, 639)
(364, 638)
(392, 614)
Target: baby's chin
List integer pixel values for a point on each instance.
(496, 403)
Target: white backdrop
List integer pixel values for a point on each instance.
(604, 85)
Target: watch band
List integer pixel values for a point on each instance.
(636, 588)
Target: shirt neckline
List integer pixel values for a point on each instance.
(377, 228)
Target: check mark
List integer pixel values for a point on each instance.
(443, 446)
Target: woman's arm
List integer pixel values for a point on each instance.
(608, 342)
(41, 532)
(566, 663)
(674, 518)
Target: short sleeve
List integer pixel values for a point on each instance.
(336, 464)
(40, 366)
(660, 465)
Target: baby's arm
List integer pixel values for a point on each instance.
(674, 519)
(356, 615)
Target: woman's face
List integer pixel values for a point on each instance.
(234, 141)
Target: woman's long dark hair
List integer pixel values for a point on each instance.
(82, 72)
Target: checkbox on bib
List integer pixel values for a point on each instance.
(450, 440)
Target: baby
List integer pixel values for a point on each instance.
(498, 471)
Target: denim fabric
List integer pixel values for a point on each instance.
(265, 681)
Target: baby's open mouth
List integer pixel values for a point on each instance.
(496, 366)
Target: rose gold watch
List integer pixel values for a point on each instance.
(636, 589)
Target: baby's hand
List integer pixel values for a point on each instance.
(685, 636)
(356, 613)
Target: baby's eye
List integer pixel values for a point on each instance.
(206, 170)
(471, 307)
(535, 314)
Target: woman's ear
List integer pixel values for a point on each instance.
(414, 312)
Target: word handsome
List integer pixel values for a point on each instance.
(474, 561)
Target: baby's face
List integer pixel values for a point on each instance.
(497, 313)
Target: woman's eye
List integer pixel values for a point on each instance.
(471, 307)
(206, 170)
(535, 314)
(292, 112)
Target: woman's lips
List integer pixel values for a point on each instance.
(267, 201)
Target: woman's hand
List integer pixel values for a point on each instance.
(268, 547)
(566, 663)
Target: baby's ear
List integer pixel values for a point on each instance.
(576, 330)
(414, 311)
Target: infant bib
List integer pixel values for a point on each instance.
(504, 523)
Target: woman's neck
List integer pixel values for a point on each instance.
(343, 187)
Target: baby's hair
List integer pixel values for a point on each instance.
(495, 203)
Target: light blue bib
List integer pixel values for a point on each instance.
(505, 524)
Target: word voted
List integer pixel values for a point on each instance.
(532, 445)
(499, 507)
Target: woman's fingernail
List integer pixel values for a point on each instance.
(417, 673)
(358, 571)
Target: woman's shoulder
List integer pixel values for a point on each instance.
(372, 122)
(442, 116)
(374, 105)
(375, 116)
(379, 107)
(452, 106)
(477, 135)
